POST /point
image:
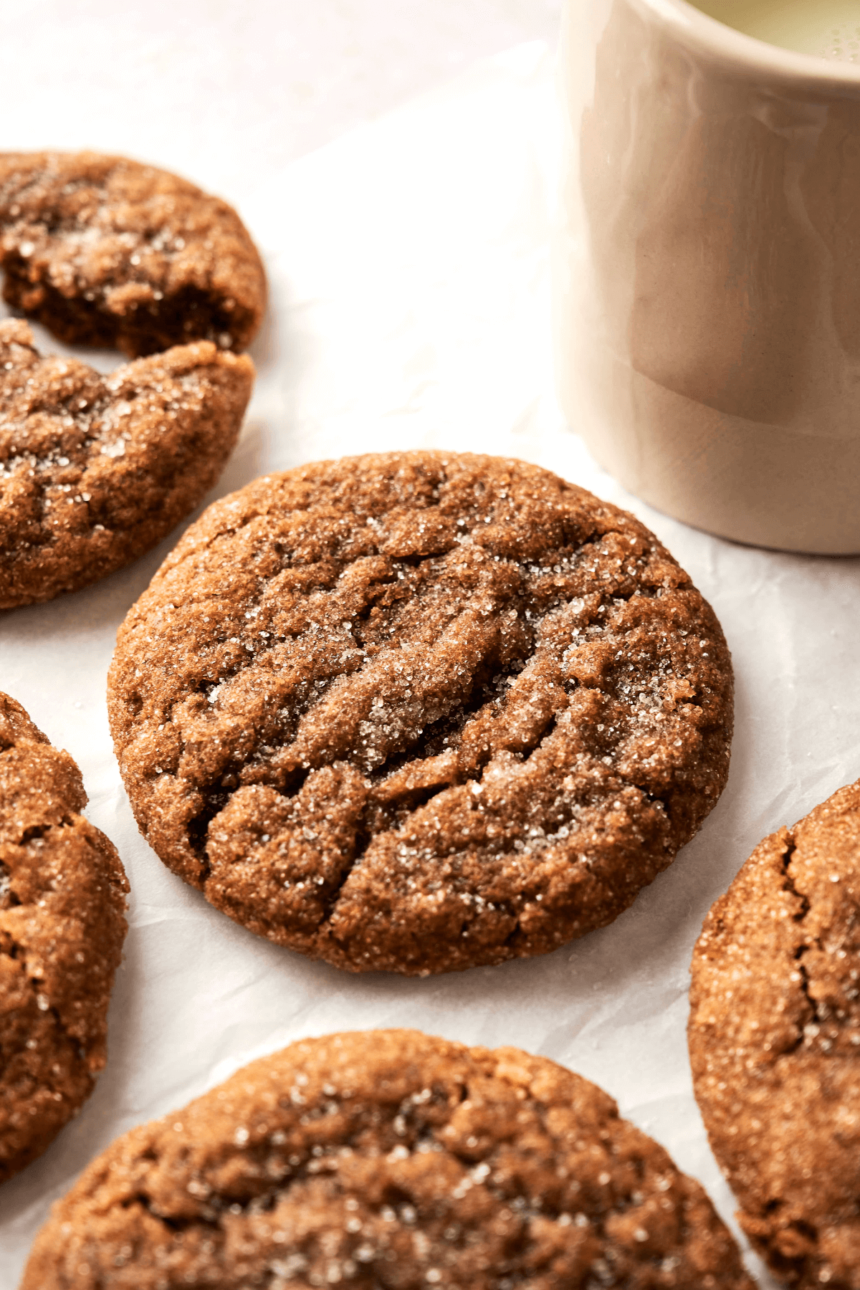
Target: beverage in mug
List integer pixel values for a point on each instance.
(707, 263)
(823, 28)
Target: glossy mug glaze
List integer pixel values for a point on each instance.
(707, 272)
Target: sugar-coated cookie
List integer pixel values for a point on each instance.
(95, 470)
(775, 1044)
(62, 924)
(388, 1161)
(107, 251)
(420, 711)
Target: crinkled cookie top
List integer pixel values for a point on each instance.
(388, 1161)
(775, 1044)
(420, 711)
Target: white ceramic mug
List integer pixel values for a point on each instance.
(708, 272)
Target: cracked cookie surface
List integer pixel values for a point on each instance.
(105, 251)
(420, 711)
(62, 924)
(95, 470)
(775, 1044)
(388, 1160)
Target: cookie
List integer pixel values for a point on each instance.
(775, 1044)
(388, 1159)
(62, 924)
(420, 711)
(106, 251)
(95, 470)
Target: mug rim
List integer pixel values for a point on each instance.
(717, 39)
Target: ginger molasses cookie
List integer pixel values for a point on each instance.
(106, 251)
(62, 924)
(775, 1044)
(420, 711)
(388, 1160)
(95, 470)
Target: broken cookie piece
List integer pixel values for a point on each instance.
(106, 251)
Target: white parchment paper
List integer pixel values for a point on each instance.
(409, 270)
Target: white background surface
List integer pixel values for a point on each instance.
(409, 269)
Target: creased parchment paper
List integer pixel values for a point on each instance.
(409, 268)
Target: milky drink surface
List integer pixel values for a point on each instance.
(824, 28)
